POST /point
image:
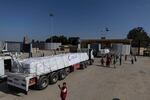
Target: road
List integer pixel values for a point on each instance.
(126, 82)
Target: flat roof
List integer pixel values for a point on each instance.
(125, 41)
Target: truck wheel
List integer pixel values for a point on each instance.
(67, 70)
(62, 74)
(42, 82)
(71, 69)
(91, 62)
(53, 78)
(82, 65)
(85, 64)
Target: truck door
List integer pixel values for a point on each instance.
(7, 65)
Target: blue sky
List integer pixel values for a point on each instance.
(84, 18)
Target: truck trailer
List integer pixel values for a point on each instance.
(42, 71)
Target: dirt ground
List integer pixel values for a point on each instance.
(126, 82)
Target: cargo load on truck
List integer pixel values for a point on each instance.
(42, 65)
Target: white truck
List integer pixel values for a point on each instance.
(44, 70)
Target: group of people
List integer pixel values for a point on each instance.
(109, 59)
(106, 60)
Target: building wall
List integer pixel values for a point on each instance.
(54, 46)
(14, 46)
(135, 50)
(119, 48)
(46, 46)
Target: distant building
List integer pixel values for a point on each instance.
(98, 44)
(68, 48)
(46, 46)
(13, 46)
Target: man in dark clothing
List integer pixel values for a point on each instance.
(125, 57)
(114, 62)
(102, 61)
(132, 61)
(135, 58)
(63, 93)
(120, 60)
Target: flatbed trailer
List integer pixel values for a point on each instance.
(64, 64)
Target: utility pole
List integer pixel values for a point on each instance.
(51, 27)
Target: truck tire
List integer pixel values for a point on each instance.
(85, 64)
(67, 70)
(53, 77)
(62, 74)
(82, 65)
(71, 69)
(91, 62)
(42, 83)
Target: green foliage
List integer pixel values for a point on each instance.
(73, 40)
(139, 37)
(62, 39)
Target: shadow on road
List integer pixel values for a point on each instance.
(104, 66)
(9, 90)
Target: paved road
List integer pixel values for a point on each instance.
(127, 82)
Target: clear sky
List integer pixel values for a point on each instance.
(84, 18)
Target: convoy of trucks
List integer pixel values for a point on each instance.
(42, 71)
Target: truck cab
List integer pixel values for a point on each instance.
(5, 66)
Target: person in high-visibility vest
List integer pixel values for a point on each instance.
(63, 93)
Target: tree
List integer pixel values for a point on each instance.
(63, 39)
(57, 39)
(139, 37)
(73, 40)
(53, 39)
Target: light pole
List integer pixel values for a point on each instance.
(51, 27)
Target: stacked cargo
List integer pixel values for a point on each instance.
(43, 65)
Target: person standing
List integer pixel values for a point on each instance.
(135, 58)
(120, 59)
(107, 61)
(132, 61)
(102, 61)
(114, 61)
(63, 93)
(125, 57)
